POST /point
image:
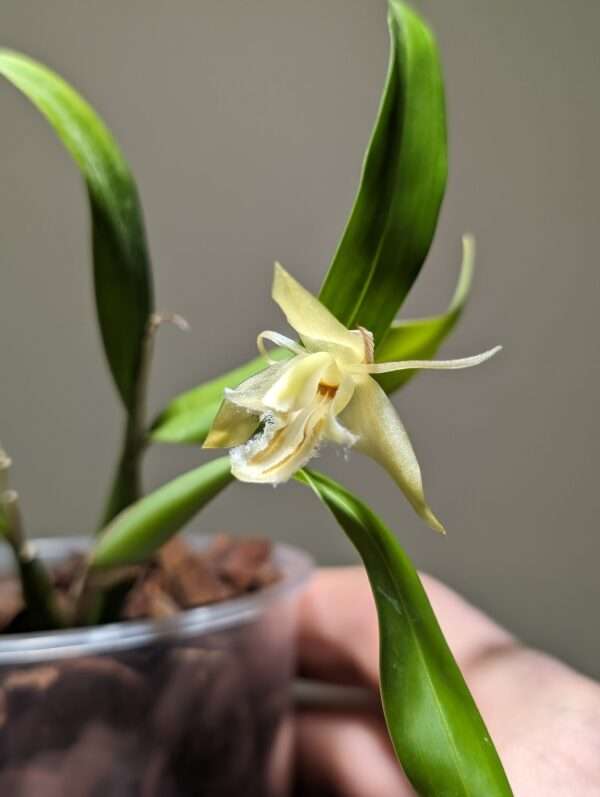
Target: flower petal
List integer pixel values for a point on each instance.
(338, 433)
(281, 448)
(232, 426)
(372, 417)
(344, 394)
(298, 384)
(239, 414)
(430, 365)
(280, 340)
(317, 327)
(250, 393)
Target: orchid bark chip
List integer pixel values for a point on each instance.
(275, 421)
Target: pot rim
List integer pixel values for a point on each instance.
(31, 648)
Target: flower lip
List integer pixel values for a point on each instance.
(327, 391)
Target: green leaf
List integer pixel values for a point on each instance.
(122, 273)
(137, 532)
(42, 608)
(188, 418)
(395, 214)
(419, 339)
(436, 729)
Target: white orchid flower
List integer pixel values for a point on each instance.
(275, 421)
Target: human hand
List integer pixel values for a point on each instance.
(543, 716)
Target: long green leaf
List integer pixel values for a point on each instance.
(419, 339)
(395, 214)
(122, 274)
(137, 532)
(434, 724)
(188, 418)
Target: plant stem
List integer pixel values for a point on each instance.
(126, 487)
(101, 595)
(104, 605)
(38, 593)
(127, 482)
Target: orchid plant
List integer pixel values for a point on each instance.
(330, 384)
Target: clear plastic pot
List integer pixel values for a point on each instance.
(196, 705)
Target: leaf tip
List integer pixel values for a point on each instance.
(434, 523)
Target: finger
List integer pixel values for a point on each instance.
(349, 756)
(338, 634)
(471, 634)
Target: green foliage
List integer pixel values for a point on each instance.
(434, 724)
(420, 339)
(122, 274)
(188, 418)
(41, 610)
(137, 532)
(393, 221)
(122, 269)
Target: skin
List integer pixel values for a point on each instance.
(543, 716)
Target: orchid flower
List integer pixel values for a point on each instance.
(275, 421)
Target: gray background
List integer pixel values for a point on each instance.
(245, 123)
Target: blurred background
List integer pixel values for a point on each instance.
(245, 124)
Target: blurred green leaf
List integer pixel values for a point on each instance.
(434, 724)
(395, 214)
(122, 273)
(137, 532)
(419, 339)
(188, 418)
(42, 607)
